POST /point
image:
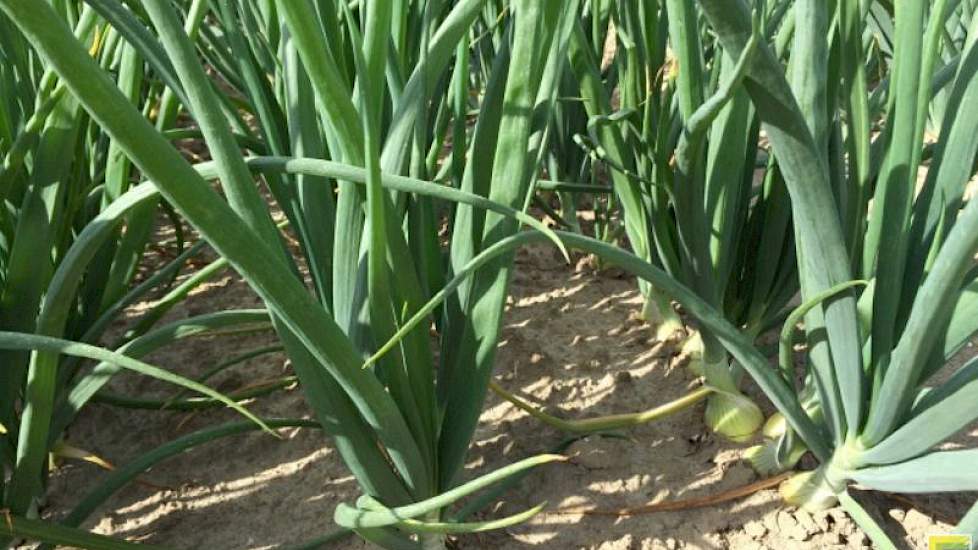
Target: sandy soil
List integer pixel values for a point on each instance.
(571, 341)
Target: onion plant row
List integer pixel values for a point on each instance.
(67, 269)
(883, 411)
(403, 437)
(750, 153)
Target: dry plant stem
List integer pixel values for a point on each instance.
(686, 504)
(603, 423)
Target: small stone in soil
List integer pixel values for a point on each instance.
(897, 514)
(789, 527)
(596, 454)
(755, 529)
(806, 522)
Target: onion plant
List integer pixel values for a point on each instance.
(327, 84)
(680, 141)
(884, 412)
(67, 268)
